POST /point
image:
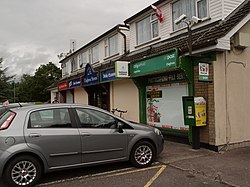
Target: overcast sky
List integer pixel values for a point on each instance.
(34, 32)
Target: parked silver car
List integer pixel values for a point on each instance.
(42, 138)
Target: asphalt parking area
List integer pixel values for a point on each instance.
(121, 177)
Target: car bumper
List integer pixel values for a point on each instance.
(4, 155)
(160, 145)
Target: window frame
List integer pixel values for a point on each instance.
(84, 59)
(107, 46)
(79, 59)
(151, 22)
(90, 109)
(95, 51)
(70, 113)
(195, 13)
(64, 68)
(74, 64)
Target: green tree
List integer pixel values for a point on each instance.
(24, 88)
(35, 88)
(5, 84)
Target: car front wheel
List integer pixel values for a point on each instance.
(142, 154)
(23, 171)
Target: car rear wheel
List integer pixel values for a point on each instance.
(23, 171)
(142, 154)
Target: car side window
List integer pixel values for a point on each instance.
(51, 118)
(90, 118)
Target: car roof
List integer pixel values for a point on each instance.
(4, 108)
(47, 106)
(14, 105)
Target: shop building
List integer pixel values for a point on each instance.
(171, 56)
(207, 57)
(94, 74)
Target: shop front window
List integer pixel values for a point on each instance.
(99, 96)
(164, 105)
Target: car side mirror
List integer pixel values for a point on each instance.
(119, 127)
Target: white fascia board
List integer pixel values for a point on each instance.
(238, 27)
(224, 42)
(221, 46)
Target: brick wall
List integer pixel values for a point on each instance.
(206, 90)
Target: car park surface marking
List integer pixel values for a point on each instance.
(108, 174)
(150, 182)
(133, 171)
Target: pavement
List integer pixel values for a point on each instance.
(229, 168)
(178, 165)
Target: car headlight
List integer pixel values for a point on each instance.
(157, 131)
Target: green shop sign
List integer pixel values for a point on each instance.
(159, 63)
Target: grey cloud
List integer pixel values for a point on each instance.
(33, 32)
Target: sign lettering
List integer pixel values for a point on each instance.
(159, 63)
(108, 75)
(90, 76)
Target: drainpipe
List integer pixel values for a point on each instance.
(124, 38)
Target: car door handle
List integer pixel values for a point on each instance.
(85, 134)
(34, 135)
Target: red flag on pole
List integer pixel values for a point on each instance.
(158, 13)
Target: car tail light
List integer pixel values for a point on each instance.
(6, 120)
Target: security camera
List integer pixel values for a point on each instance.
(196, 20)
(180, 19)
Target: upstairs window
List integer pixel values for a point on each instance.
(84, 59)
(80, 60)
(111, 46)
(198, 8)
(147, 29)
(95, 54)
(201, 8)
(74, 64)
(64, 69)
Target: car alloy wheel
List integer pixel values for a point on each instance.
(142, 154)
(23, 171)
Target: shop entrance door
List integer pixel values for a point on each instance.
(98, 96)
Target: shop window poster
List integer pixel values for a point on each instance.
(164, 105)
